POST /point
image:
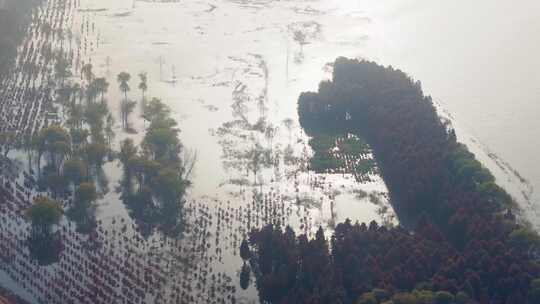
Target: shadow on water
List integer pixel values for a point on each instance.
(45, 249)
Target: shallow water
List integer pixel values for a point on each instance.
(221, 52)
(472, 58)
(217, 62)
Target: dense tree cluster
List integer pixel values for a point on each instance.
(425, 168)
(155, 177)
(74, 151)
(471, 250)
(43, 242)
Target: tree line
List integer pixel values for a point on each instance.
(155, 176)
(462, 243)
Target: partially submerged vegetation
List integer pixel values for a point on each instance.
(342, 153)
(464, 244)
(67, 156)
(155, 178)
(55, 109)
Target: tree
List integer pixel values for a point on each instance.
(86, 194)
(55, 142)
(245, 274)
(56, 183)
(76, 116)
(87, 72)
(82, 209)
(102, 86)
(123, 81)
(269, 134)
(79, 138)
(95, 153)
(128, 151)
(75, 171)
(94, 115)
(143, 85)
(157, 169)
(155, 109)
(92, 91)
(161, 143)
(138, 167)
(109, 129)
(245, 253)
(44, 214)
(127, 109)
(63, 95)
(255, 156)
(525, 239)
(300, 37)
(169, 186)
(62, 69)
(78, 93)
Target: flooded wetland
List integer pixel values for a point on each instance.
(229, 73)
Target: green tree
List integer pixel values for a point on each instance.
(75, 171)
(87, 72)
(169, 186)
(102, 86)
(109, 129)
(44, 214)
(525, 239)
(123, 81)
(86, 194)
(143, 85)
(79, 139)
(95, 153)
(138, 165)
(82, 211)
(94, 115)
(127, 109)
(92, 91)
(75, 116)
(56, 183)
(161, 142)
(245, 253)
(55, 142)
(128, 151)
(155, 109)
(62, 69)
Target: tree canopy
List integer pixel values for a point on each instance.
(44, 214)
(462, 243)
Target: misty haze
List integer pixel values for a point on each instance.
(267, 151)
